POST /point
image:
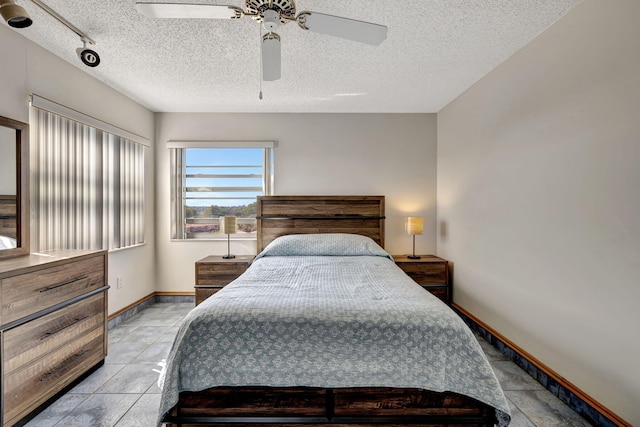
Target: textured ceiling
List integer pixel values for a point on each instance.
(435, 50)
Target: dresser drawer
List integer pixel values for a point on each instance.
(31, 386)
(27, 342)
(31, 292)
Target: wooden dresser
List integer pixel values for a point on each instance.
(429, 271)
(53, 326)
(214, 272)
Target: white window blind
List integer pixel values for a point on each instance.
(87, 186)
(210, 179)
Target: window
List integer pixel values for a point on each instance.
(87, 184)
(212, 179)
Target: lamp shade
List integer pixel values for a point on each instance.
(228, 224)
(414, 225)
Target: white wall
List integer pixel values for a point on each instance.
(539, 200)
(27, 68)
(322, 154)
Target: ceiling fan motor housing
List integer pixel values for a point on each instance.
(271, 20)
(285, 10)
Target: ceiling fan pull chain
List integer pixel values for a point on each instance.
(260, 39)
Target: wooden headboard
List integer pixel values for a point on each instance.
(280, 215)
(8, 219)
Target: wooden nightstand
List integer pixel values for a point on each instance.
(214, 272)
(429, 271)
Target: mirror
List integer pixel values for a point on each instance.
(14, 188)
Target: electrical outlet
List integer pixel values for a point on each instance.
(118, 282)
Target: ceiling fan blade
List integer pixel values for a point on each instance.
(185, 10)
(350, 29)
(271, 60)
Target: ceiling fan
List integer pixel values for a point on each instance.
(271, 14)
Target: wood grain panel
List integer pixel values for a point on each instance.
(426, 273)
(8, 216)
(214, 272)
(204, 293)
(413, 402)
(8, 205)
(442, 292)
(342, 407)
(430, 271)
(281, 215)
(320, 206)
(36, 383)
(27, 342)
(256, 401)
(28, 293)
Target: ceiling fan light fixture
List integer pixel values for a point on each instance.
(271, 57)
(14, 15)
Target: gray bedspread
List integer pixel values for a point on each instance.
(328, 321)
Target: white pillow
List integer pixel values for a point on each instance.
(324, 244)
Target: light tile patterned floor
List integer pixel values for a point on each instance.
(124, 393)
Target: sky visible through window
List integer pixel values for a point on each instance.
(226, 162)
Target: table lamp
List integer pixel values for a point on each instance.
(228, 225)
(414, 225)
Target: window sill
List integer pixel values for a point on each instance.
(219, 239)
(127, 247)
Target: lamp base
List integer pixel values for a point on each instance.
(413, 256)
(228, 256)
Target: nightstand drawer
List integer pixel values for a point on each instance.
(437, 274)
(424, 270)
(202, 293)
(441, 292)
(214, 272)
(429, 271)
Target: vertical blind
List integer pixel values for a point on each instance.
(87, 186)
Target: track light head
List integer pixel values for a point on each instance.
(15, 15)
(89, 57)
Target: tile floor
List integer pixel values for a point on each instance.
(123, 392)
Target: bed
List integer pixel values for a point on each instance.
(323, 328)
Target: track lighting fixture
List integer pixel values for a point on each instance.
(88, 57)
(15, 15)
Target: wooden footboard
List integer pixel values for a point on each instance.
(315, 406)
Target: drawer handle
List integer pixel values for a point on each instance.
(50, 288)
(63, 366)
(62, 328)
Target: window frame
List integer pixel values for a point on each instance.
(177, 159)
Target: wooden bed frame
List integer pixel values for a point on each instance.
(301, 406)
